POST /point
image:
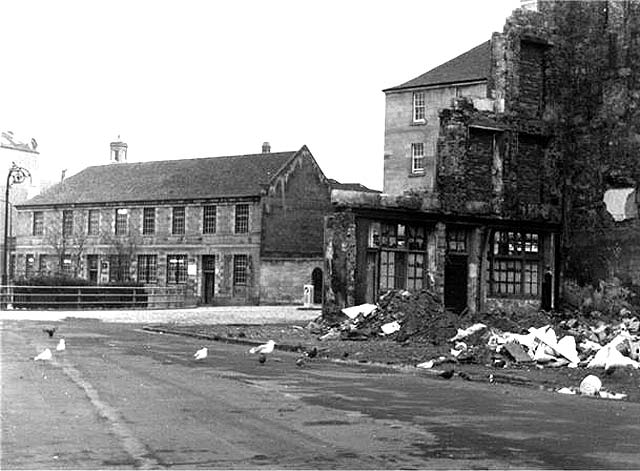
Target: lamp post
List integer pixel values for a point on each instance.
(15, 175)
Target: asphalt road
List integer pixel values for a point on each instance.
(121, 397)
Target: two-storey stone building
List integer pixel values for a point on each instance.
(238, 229)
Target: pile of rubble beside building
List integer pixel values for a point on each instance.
(546, 339)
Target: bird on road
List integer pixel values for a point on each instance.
(201, 354)
(61, 345)
(446, 374)
(264, 348)
(44, 355)
(262, 358)
(311, 353)
(50, 331)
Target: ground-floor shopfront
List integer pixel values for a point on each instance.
(471, 263)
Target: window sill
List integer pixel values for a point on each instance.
(417, 174)
(418, 123)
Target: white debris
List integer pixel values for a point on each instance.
(426, 364)
(590, 385)
(354, 311)
(44, 355)
(608, 357)
(608, 395)
(566, 391)
(390, 327)
(464, 333)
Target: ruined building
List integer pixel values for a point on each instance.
(508, 170)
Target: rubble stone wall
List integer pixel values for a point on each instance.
(340, 261)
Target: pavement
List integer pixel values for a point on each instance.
(189, 316)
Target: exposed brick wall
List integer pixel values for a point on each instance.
(294, 211)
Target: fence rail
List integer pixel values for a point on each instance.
(32, 297)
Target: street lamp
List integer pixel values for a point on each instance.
(15, 176)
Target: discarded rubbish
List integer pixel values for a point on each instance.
(608, 357)
(333, 334)
(354, 311)
(516, 352)
(426, 364)
(608, 395)
(590, 385)
(566, 391)
(464, 333)
(390, 327)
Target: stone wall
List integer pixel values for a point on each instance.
(340, 261)
(282, 280)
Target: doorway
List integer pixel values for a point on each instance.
(455, 282)
(208, 278)
(316, 280)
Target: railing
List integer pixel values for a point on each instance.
(92, 297)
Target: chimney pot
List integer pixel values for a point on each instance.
(266, 148)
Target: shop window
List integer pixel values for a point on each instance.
(515, 264)
(176, 269)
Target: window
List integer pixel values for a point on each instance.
(92, 268)
(119, 268)
(67, 222)
(29, 266)
(209, 220)
(457, 240)
(240, 265)
(122, 216)
(147, 268)
(242, 218)
(148, 221)
(38, 223)
(419, 108)
(176, 269)
(42, 265)
(402, 256)
(177, 224)
(93, 222)
(67, 266)
(515, 267)
(417, 157)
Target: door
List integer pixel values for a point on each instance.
(455, 282)
(92, 267)
(316, 279)
(208, 278)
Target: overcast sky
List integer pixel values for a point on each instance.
(184, 79)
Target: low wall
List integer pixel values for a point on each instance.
(282, 280)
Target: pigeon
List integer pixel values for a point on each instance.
(50, 331)
(61, 345)
(45, 355)
(264, 348)
(311, 353)
(446, 374)
(201, 354)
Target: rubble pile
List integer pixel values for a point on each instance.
(592, 340)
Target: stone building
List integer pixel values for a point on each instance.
(242, 229)
(496, 165)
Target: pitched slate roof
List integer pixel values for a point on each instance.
(213, 177)
(472, 65)
(336, 185)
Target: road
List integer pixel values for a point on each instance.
(120, 397)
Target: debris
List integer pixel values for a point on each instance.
(608, 395)
(354, 311)
(590, 385)
(566, 391)
(44, 355)
(608, 357)
(201, 354)
(464, 333)
(390, 327)
(333, 334)
(425, 364)
(61, 345)
(516, 352)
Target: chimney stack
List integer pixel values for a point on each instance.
(266, 148)
(118, 151)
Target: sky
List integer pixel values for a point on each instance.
(194, 78)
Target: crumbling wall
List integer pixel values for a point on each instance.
(340, 261)
(598, 57)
